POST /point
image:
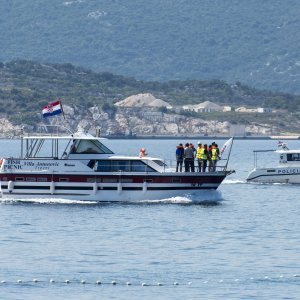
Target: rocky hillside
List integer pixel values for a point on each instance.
(89, 98)
(151, 122)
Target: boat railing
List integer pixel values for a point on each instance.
(171, 166)
(260, 151)
(52, 130)
(164, 166)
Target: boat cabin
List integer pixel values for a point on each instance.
(289, 156)
(60, 147)
(91, 146)
(85, 149)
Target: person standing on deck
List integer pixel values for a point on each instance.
(179, 157)
(198, 156)
(193, 160)
(193, 147)
(188, 158)
(203, 157)
(143, 152)
(210, 166)
(215, 152)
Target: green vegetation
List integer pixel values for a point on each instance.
(25, 87)
(254, 42)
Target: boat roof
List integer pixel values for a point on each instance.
(74, 136)
(133, 157)
(280, 151)
(287, 151)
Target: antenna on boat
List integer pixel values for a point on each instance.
(97, 132)
(22, 139)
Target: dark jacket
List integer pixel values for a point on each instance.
(179, 152)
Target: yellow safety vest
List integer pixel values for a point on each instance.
(214, 154)
(201, 154)
(198, 154)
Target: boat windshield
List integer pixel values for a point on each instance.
(89, 147)
(159, 162)
(122, 165)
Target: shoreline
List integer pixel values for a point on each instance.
(198, 137)
(203, 137)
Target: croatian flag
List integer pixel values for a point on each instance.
(52, 109)
(280, 143)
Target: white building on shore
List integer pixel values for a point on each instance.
(206, 106)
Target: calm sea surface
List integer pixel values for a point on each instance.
(245, 247)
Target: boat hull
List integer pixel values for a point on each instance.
(113, 197)
(110, 188)
(275, 175)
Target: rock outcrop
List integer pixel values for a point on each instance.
(138, 121)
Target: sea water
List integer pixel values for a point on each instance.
(244, 245)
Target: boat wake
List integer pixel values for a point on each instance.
(234, 181)
(209, 197)
(273, 183)
(45, 201)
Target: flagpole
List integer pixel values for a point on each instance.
(62, 109)
(66, 122)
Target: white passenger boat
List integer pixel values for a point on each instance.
(287, 171)
(80, 167)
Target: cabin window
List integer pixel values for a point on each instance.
(19, 179)
(89, 147)
(177, 180)
(126, 180)
(148, 180)
(109, 180)
(91, 164)
(122, 165)
(93, 180)
(159, 162)
(42, 179)
(103, 166)
(90, 180)
(139, 166)
(63, 179)
(30, 179)
(293, 157)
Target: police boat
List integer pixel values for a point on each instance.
(287, 170)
